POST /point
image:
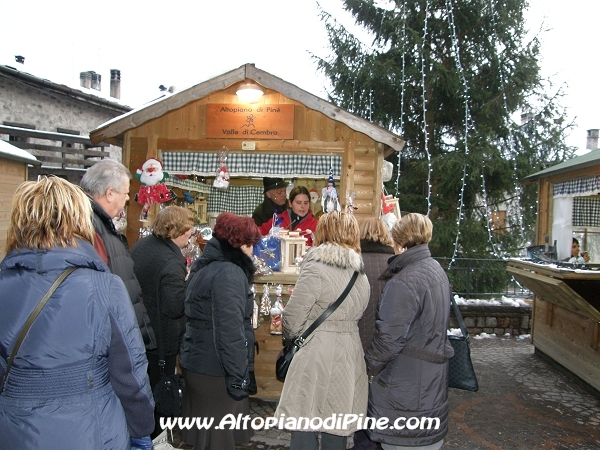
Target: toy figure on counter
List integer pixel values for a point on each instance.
(152, 190)
(276, 310)
(256, 310)
(265, 301)
(329, 196)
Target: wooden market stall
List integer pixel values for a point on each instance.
(566, 311)
(287, 133)
(14, 164)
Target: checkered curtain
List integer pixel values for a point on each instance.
(239, 200)
(187, 185)
(253, 165)
(586, 212)
(578, 187)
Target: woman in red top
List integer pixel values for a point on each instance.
(298, 218)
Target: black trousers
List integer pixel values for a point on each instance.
(362, 441)
(309, 440)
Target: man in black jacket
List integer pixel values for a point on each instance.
(275, 200)
(107, 183)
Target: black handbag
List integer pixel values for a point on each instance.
(285, 357)
(461, 372)
(168, 394)
(169, 391)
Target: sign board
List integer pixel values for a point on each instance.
(249, 122)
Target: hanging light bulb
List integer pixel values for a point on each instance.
(249, 93)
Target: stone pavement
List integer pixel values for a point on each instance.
(522, 403)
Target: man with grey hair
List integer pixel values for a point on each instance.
(107, 184)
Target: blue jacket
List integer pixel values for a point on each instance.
(79, 378)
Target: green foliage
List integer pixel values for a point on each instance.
(467, 126)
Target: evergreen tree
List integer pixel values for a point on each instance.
(449, 76)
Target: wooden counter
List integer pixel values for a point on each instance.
(269, 346)
(566, 315)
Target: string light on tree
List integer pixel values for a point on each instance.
(465, 94)
(487, 213)
(511, 143)
(403, 81)
(425, 133)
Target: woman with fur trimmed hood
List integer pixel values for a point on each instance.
(327, 376)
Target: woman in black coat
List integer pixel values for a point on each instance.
(217, 353)
(161, 271)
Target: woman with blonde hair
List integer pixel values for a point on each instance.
(79, 375)
(327, 376)
(408, 359)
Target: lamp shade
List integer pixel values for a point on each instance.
(249, 93)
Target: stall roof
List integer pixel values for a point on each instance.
(9, 151)
(113, 130)
(579, 162)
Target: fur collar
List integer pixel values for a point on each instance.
(335, 255)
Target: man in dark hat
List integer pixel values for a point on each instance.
(275, 200)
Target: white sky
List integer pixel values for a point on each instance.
(182, 43)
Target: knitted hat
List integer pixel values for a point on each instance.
(273, 183)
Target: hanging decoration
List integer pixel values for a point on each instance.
(329, 195)
(152, 189)
(350, 196)
(222, 178)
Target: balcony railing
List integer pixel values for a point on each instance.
(59, 152)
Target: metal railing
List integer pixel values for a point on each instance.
(481, 278)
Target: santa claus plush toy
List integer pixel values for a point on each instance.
(152, 190)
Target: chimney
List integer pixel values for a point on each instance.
(592, 139)
(526, 117)
(96, 78)
(85, 79)
(115, 83)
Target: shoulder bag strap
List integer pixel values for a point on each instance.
(161, 349)
(459, 317)
(328, 311)
(31, 318)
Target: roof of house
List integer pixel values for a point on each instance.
(82, 94)
(113, 130)
(579, 162)
(9, 151)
